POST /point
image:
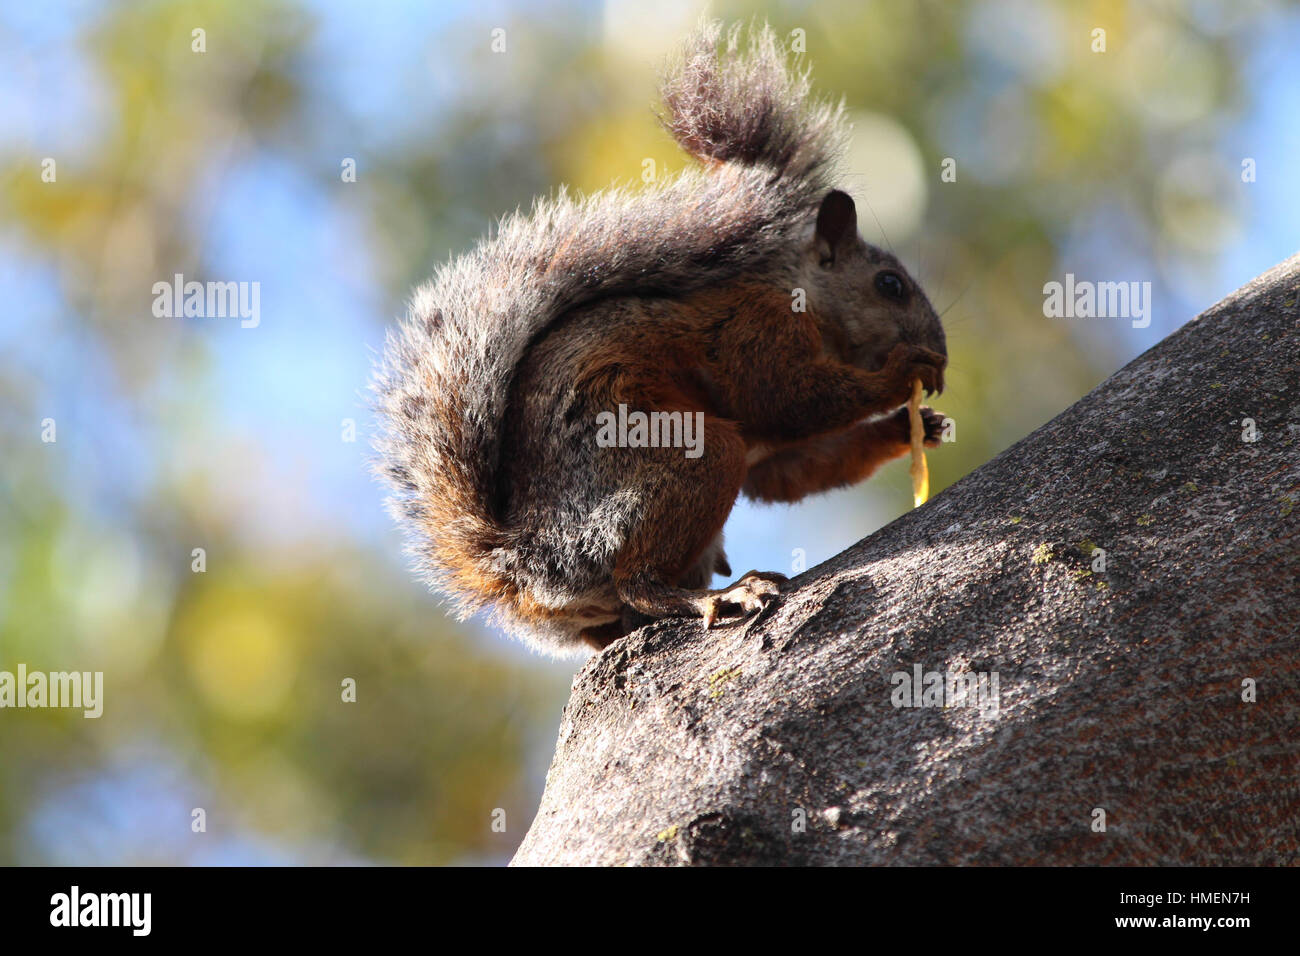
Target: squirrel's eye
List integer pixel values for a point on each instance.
(890, 285)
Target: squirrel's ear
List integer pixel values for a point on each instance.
(837, 225)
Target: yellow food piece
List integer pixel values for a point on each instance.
(920, 471)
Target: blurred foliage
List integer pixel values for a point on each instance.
(223, 688)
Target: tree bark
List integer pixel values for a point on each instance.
(1124, 695)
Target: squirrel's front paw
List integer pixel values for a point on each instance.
(907, 363)
(747, 596)
(930, 419)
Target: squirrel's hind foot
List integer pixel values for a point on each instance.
(747, 596)
(750, 594)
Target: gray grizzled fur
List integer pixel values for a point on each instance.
(444, 383)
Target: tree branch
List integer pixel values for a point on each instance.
(1119, 690)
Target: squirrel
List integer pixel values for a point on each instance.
(679, 299)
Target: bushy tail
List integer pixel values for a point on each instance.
(748, 106)
(444, 382)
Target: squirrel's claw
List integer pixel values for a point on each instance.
(747, 596)
(931, 421)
